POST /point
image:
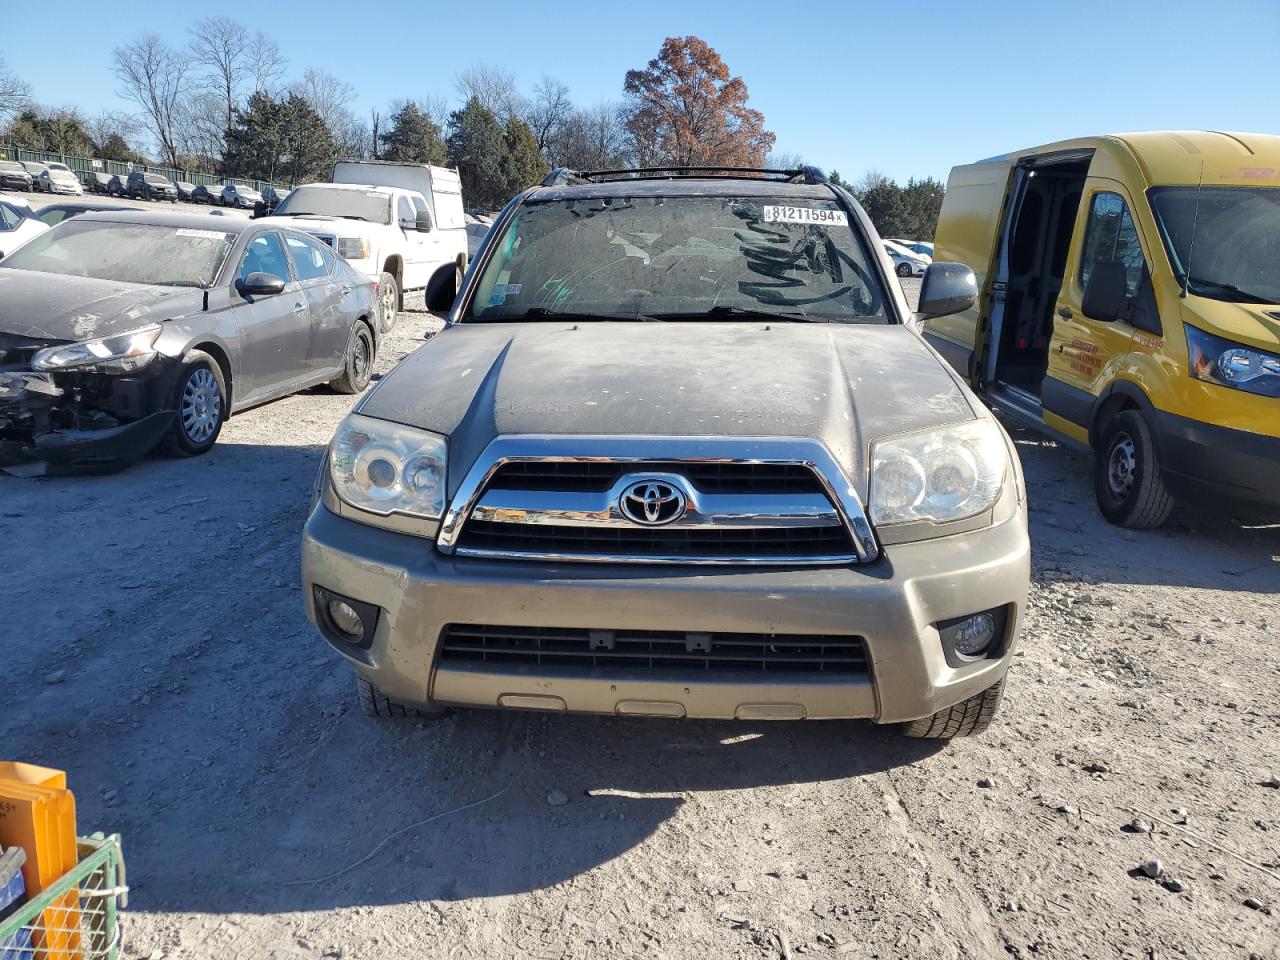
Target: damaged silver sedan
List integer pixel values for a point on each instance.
(125, 331)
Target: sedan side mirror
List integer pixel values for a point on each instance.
(1106, 295)
(259, 285)
(423, 223)
(947, 288)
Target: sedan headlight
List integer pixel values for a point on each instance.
(1229, 364)
(353, 248)
(387, 468)
(941, 474)
(123, 353)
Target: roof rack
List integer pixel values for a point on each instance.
(563, 176)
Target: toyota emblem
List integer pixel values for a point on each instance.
(652, 503)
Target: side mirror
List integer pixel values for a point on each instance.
(947, 288)
(442, 290)
(259, 285)
(1106, 295)
(423, 223)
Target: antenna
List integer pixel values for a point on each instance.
(1195, 219)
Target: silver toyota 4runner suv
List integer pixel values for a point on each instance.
(680, 451)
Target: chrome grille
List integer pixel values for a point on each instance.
(623, 651)
(589, 476)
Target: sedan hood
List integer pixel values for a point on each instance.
(49, 306)
(843, 384)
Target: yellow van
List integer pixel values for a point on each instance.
(1129, 302)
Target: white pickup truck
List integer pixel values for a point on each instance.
(400, 222)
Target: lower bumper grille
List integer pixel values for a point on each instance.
(573, 649)
(638, 543)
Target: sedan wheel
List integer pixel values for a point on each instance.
(903, 269)
(199, 399)
(358, 366)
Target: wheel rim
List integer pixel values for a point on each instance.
(1122, 466)
(388, 300)
(904, 270)
(201, 405)
(360, 359)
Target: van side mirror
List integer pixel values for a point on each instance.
(1106, 295)
(947, 288)
(423, 223)
(259, 285)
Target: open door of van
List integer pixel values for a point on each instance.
(969, 229)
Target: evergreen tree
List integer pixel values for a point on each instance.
(522, 163)
(278, 140)
(413, 138)
(476, 148)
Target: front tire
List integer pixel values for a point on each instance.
(1126, 474)
(376, 704)
(965, 719)
(903, 270)
(200, 397)
(358, 365)
(388, 300)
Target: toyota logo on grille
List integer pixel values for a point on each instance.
(651, 503)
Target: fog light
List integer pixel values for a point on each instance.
(978, 636)
(972, 636)
(346, 619)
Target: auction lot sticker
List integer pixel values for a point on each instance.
(819, 215)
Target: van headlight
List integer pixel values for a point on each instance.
(940, 474)
(385, 468)
(122, 353)
(1229, 364)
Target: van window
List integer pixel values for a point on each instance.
(1111, 235)
(404, 210)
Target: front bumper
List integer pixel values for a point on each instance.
(891, 603)
(1205, 460)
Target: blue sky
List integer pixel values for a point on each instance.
(910, 87)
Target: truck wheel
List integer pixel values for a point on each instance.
(1126, 474)
(358, 365)
(388, 300)
(963, 720)
(200, 397)
(375, 704)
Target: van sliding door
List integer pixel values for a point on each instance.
(990, 336)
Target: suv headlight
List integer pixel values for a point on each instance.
(1229, 364)
(122, 353)
(353, 248)
(940, 474)
(387, 468)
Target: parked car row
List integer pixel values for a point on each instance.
(28, 175)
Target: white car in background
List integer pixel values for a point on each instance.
(240, 196)
(59, 178)
(922, 247)
(17, 225)
(906, 263)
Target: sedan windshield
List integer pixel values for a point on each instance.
(130, 252)
(1236, 245)
(352, 204)
(679, 258)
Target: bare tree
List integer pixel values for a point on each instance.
(592, 139)
(492, 87)
(14, 92)
(221, 45)
(782, 160)
(266, 62)
(115, 123)
(154, 77)
(198, 128)
(548, 112)
(328, 96)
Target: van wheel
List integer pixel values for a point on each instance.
(388, 300)
(200, 398)
(376, 704)
(358, 365)
(903, 269)
(1126, 475)
(965, 719)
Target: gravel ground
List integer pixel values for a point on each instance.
(158, 652)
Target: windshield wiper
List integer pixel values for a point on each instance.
(542, 313)
(1243, 296)
(727, 312)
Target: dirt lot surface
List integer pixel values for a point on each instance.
(156, 649)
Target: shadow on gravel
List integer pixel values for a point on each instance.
(1199, 547)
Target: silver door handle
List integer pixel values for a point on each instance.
(345, 289)
(299, 308)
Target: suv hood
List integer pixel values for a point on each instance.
(50, 306)
(843, 384)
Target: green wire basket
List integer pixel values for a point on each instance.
(76, 918)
